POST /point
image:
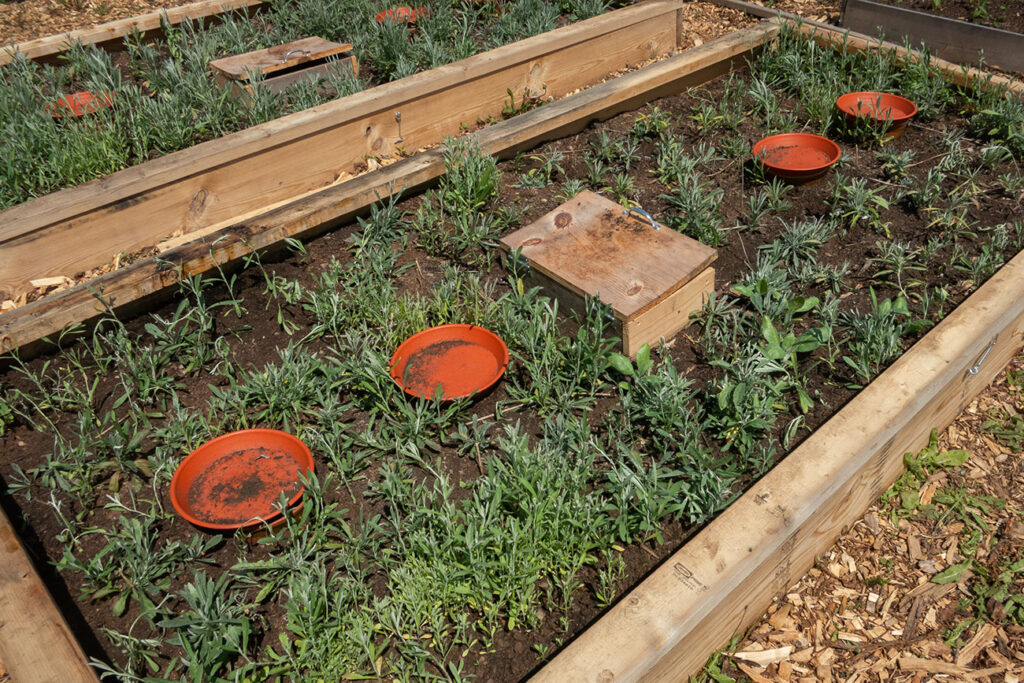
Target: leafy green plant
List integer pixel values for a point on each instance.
(877, 336)
(854, 203)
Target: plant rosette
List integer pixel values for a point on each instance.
(883, 109)
(80, 104)
(449, 362)
(235, 480)
(406, 14)
(799, 158)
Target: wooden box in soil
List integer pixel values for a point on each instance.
(282, 65)
(651, 277)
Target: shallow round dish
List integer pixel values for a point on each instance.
(402, 14)
(235, 481)
(800, 157)
(880, 107)
(460, 359)
(79, 104)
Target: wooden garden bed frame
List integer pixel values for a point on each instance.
(111, 34)
(726, 576)
(952, 39)
(221, 181)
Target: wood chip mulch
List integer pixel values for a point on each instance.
(927, 586)
(31, 19)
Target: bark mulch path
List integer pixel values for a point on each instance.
(30, 19)
(928, 585)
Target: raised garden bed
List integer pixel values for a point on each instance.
(949, 38)
(606, 453)
(1003, 14)
(240, 175)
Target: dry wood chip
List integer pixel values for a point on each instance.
(755, 676)
(871, 519)
(985, 673)
(48, 282)
(802, 656)
(8, 305)
(996, 656)
(928, 492)
(764, 657)
(982, 639)
(850, 637)
(931, 666)
(914, 547)
(888, 603)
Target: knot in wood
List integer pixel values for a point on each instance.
(563, 219)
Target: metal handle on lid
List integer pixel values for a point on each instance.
(635, 209)
(292, 52)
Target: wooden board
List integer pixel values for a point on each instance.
(319, 211)
(723, 579)
(593, 247)
(36, 645)
(669, 316)
(84, 227)
(51, 47)
(951, 39)
(276, 58)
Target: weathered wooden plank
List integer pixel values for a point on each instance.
(668, 316)
(277, 58)
(724, 578)
(326, 208)
(51, 47)
(36, 645)
(84, 227)
(951, 39)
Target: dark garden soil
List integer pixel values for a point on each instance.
(257, 338)
(1005, 14)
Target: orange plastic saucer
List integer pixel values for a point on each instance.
(79, 104)
(799, 157)
(880, 107)
(235, 481)
(460, 359)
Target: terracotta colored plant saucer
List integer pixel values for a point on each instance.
(460, 359)
(236, 480)
(797, 157)
(407, 14)
(79, 104)
(880, 107)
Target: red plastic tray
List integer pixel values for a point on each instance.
(235, 481)
(880, 107)
(79, 104)
(402, 14)
(799, 157)
(460, 359)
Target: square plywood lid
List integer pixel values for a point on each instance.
(277, 58)
(593, 247)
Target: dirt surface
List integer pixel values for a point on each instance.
(1004, 14)
(887, 602)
